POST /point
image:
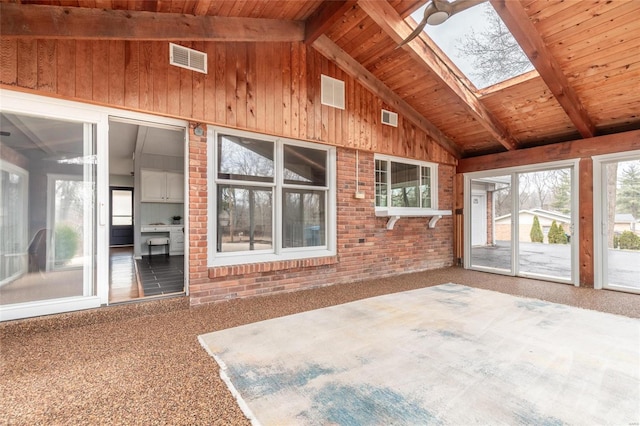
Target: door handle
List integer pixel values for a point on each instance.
(101, 215)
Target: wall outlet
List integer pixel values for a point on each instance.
(359, 195)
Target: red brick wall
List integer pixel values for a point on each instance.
(197, 214)
(365, 248)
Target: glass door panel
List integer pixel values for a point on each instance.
(13, 225)
(544, 217)
(491, 202)
(47, 226)
(621, 214)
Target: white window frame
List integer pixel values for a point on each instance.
(277, 253)
(413, 211)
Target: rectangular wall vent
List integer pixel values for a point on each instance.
(190, 59)
(332, 92)
(389, 118)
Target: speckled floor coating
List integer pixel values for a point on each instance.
(142, 363)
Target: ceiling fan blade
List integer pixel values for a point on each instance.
(427, 11)
(441, 4)
(461, 5)
(413, 35)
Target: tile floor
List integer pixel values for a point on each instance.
(156, 275)
(161, 274)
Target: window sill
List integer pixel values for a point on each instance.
(257, 256)
(225, 271)
(394, 214)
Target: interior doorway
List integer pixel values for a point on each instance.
(121, 217)
(146, 235)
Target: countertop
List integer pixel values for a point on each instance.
(160, 228)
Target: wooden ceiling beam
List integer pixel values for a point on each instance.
(517, 21)
(582, 148)
(41, 21)
(385, 16)
(324, 17)
(334, 53)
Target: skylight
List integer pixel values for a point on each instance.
(479, 44)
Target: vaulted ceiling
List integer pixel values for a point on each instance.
(586, 55)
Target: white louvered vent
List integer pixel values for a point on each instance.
(332, 92)
(389, 118)
(190, 59)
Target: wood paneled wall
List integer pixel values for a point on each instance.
(266, 87)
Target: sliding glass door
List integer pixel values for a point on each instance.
(617, 222)
(545, 223)
(48, 213)
(520, 222)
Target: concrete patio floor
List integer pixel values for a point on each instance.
(141, 363)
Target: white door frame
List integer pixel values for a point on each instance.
(483, 196)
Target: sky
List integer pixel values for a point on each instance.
(446, 35)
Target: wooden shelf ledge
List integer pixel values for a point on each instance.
(395, 215)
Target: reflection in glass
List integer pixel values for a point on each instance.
(244, 220)
(305, 166)
(303, 223)
(245, 159)
(13, 229)
(491, 222)
(381, 183)
(245, 210)
(68, 201)
(47, 210)
(425, 188)
(544, 243)
(622, 213)
(404, 185)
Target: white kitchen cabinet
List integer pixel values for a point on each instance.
(175, 187)
(153, 186)
(161, 187)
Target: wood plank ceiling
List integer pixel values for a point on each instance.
(586, 54)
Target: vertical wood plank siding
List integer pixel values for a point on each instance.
(265, 87)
